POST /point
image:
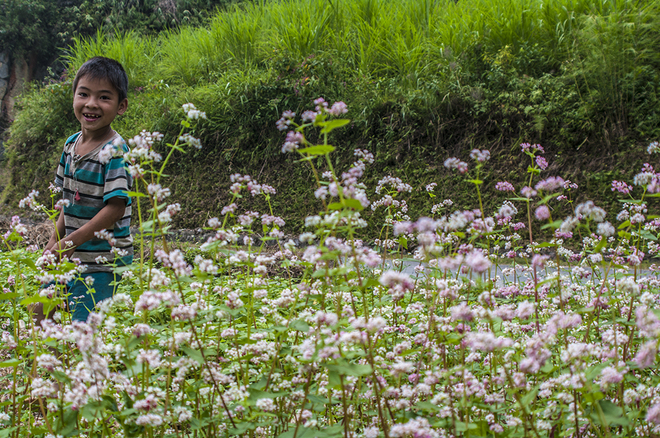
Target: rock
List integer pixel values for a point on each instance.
(19, 76)
(4, 67)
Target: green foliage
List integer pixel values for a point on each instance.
(431, 79)
(26, 24)
(41, 27)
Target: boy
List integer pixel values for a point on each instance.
(95, 187)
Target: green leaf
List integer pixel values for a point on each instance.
(335, 431)
(530, 396)
(333, 124)
(317, 399)
(28, 262)
(9, 296)
(91, 411)
(60, 376)
(240, 428)
(321, 149)
(10, 363)
(122, 269)
(359, 370)
(335, 206)
(8, 432)
(556, 224)
(319, 273)
(548, 198)
(594, 371)
(299, 325)
(353, 203)
(70, 422)
(612, 415)
(548, 367)
(624, 235)
(195, 355)
(461, 427)
(32, 300)
(333, 379)
(601, 244)
(646, 234)
(624, 225)
(302, 432)
(137, 195)
(349, 369)
(427, 406)
(475, 181)
(546, 281)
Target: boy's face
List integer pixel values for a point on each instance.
(96, 104)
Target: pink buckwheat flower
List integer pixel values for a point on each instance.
(538, 261)
(653, 414)
(526, 147)
(151, 420)
(542, 213)
(149, 357)
(480, 156)
(621, 187)
(528, 192)
(455, 163)
(541, 162)
(486, 341)
(550, 184)
(183, 313)
(505, 186)
(653, 148)
(462, 312)
(477, 261)
(646, 355)
(338, 108)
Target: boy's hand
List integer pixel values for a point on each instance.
(63, 248)
(58, 232)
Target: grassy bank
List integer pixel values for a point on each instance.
(423, 81)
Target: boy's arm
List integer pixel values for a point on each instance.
(58, 233)
(104, 219)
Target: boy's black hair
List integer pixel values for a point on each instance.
(100, 67)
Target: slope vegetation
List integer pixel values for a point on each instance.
(423, 80)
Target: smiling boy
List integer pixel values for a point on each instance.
(94, 224)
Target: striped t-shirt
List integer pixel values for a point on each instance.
(88, 189)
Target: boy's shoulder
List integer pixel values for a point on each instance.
(72, 138)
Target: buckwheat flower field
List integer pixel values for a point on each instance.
(539, 319)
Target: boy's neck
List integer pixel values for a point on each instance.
(87, 136)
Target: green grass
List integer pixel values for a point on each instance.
(395, 38)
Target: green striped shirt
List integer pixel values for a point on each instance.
(88, 184)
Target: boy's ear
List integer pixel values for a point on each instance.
(123, 106)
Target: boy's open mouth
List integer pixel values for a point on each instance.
(91, 117)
